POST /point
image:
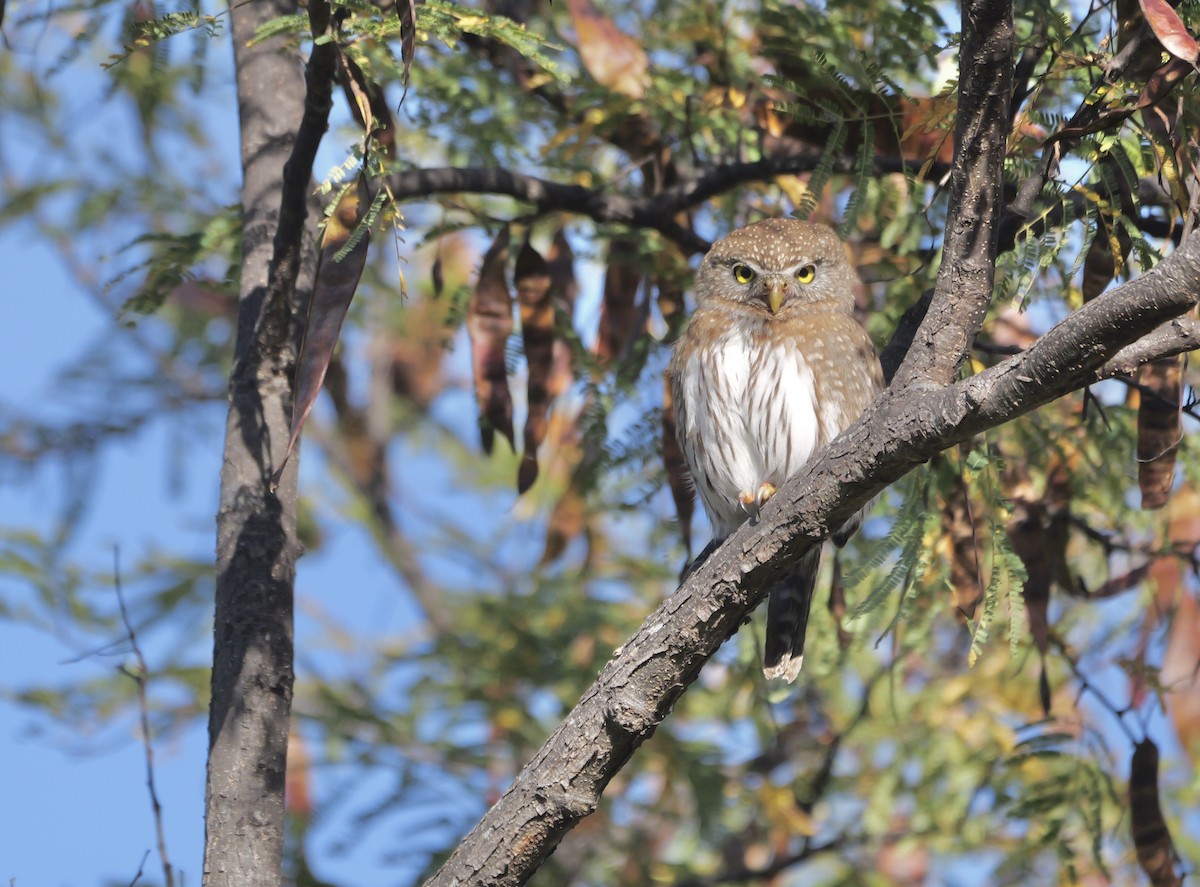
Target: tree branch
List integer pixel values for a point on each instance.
(967, 273)
(656, 212)
(902, 429)
(1174, 337)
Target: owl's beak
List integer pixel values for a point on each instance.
(775, 296)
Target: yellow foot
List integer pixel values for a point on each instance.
(752, 502)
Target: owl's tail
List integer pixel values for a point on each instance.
(787, 618)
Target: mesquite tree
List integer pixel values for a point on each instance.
(1019, 192)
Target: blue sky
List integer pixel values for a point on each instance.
(91, 795)
(77, 810)
(95, 803)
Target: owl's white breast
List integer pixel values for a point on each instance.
(752, 404)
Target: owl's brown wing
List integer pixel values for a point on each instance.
(846, 376)
(787, 618)
(849, 376)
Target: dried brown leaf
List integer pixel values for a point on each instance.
(336, 281)
(612, 57)
(618, 312)
(959, 530)
(533, 283)
(1181, 674)
(415, 351)
(1027, 535)
(1157, 88)
(367, 102)
(407, 12)
(560, 263)
(567, 521)
(1170, 30)
(489, 323)
(298, 791)
(1057, 499)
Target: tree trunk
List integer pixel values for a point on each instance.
(256, 526)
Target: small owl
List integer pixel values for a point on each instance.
(770, 369)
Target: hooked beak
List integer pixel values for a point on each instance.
(775, 296)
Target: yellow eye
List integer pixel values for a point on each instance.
(743, 273)
(806, 274)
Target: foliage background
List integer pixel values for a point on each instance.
(410, 718)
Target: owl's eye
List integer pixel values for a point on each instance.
(743, 273)
(806, 274)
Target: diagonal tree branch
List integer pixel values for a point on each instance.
(904, 428)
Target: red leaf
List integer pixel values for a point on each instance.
(1170, 30)
(489, 323)
(338, 273)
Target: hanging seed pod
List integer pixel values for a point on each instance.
(532, 280)
(489, 323)
(1159, 428)
(618, 312)
(1151, 838)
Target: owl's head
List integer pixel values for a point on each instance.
(777, 267)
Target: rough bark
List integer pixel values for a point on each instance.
(256, 524)
(964, 282)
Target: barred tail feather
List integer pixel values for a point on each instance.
(787, 619)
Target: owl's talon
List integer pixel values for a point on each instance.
(765, 492)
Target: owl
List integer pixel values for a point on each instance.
(772, 367)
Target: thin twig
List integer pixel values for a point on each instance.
(136, 877)
(1085, 686)
(144, 712)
